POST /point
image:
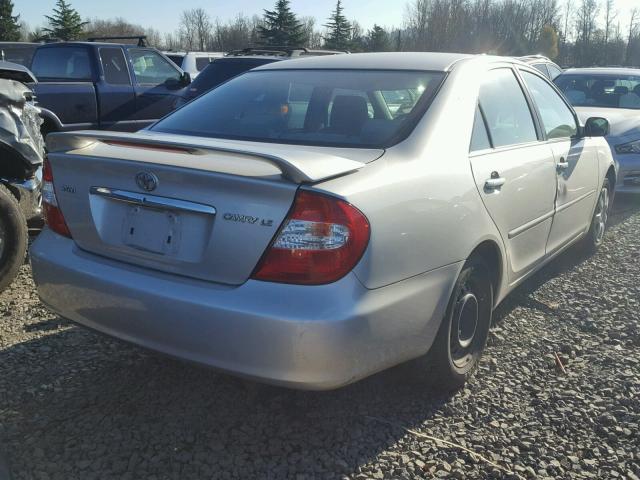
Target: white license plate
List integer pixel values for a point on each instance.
(151, 230)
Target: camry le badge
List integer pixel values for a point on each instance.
(147, 181)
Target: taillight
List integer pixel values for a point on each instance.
(52, 215)
(320, 241)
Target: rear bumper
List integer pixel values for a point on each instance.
(317, 337)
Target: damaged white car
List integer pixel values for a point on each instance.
(21, 156)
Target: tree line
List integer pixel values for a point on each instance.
(572, 32)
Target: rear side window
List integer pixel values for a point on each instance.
(176, 59)
(202, 62)
(114, 66)
(557, 118)
(553, 71)
(62, 63)
(542, 68)
(479, 136)
(506, 110)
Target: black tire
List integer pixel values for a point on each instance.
(13, 237)
(467, 320)
(598, 227)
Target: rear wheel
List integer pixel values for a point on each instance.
(598, 227)
(13, 237)
(462, 336)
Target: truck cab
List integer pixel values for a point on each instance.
(100, 85)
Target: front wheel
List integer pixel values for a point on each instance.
(462, 336)
(13, 237)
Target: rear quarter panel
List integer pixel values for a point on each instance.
(420, 197)
(72, 102)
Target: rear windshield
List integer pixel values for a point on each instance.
(611, 91)
(350, 108)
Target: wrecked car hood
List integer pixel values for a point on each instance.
(20, 121)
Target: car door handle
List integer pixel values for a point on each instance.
(494, 183)
(562, 165)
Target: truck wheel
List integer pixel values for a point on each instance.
(457, 348)
(13, 237)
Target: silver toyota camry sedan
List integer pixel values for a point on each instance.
(317, 220)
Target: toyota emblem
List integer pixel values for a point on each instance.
(147, 181)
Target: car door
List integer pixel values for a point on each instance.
(576, 161)
(116, 96)
(513, 169)
(157, 83)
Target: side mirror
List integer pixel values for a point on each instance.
(185, 79)
(596, 127)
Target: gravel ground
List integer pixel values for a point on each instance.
(74, 404)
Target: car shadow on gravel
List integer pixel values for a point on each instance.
(95, 404)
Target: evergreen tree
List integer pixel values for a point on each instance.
(65, 23)
(378, 39)
(9, 26)
(339, 30)
(281, 27)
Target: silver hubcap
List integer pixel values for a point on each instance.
(463, 328)
(601, 215)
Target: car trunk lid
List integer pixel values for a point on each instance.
(202, 208)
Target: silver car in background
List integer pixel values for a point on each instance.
(612, 93)
(317, 220)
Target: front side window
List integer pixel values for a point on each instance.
(62, 63)
(558, 120)
(506, 110)
(114, 66)
(151, 68)
(601, 90)
(308, 107)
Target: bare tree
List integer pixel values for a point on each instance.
(313, 36)
(609, 17)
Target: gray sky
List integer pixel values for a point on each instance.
(164, 15)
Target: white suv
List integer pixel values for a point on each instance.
(193, 62)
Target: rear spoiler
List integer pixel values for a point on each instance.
(303, 166)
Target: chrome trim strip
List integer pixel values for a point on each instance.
(152, 201)
(523, 228)
(574, 201)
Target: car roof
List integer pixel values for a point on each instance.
(93, 44)
(240, 58)
(422, 61)
(603, 71)
(18, 44)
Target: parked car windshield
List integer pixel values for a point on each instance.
(351, 108)
(612, 91)
(219, 72)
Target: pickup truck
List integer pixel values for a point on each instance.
(97, 85)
